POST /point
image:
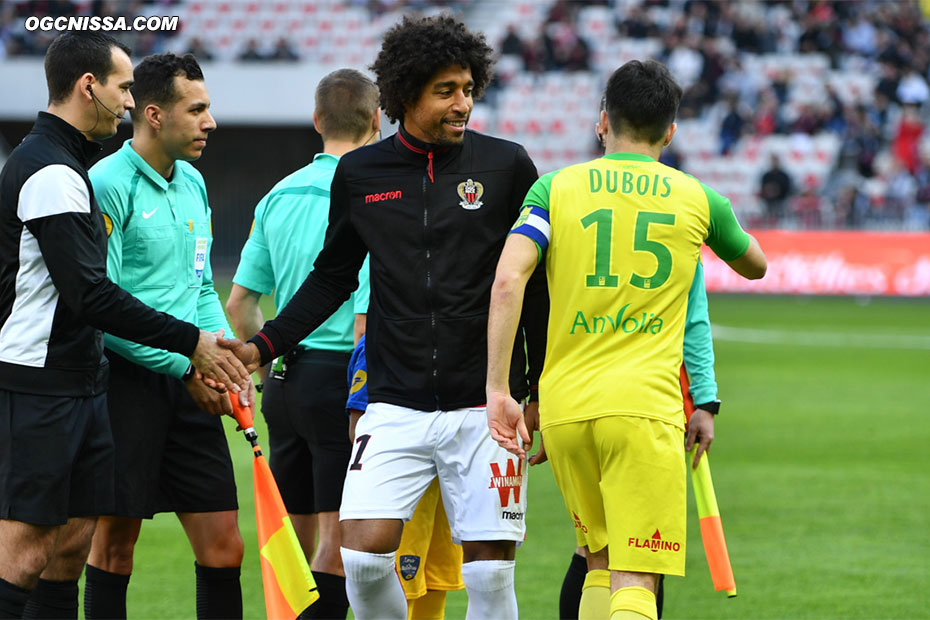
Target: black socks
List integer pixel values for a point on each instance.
(53, 599)
(333, 602)
(12, 599)
(570, 596)
(104, 594)
(219, 594)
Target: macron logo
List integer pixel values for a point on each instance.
(378, 197)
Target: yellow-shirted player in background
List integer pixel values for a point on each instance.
(428, 562)
(621, 236)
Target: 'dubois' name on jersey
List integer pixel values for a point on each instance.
(644, 323)
(612, 181)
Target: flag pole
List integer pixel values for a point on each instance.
(715, 545)
(288, 583)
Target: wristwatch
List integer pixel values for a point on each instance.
(710, 407)
(188, 373)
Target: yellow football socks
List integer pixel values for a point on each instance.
(633, 604)
(430, 606)
(595, 596)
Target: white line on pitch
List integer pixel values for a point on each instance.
(820, 339)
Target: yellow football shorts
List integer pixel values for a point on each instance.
(427, 559)
(623, 481)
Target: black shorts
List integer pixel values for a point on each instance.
(171, 456)
(308, 431)
(56, 458)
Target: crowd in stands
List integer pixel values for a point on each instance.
(858, 74)
(808, 113)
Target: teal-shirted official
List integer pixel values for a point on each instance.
(295, 214)
(698, 346)
(158, 248)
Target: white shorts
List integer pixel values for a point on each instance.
(399, 451)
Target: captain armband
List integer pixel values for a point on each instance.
(534, 223)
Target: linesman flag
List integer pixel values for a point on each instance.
(286, 577)
(715, 545)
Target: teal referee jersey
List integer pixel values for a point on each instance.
(287, 234)
(698, 345)
(159, 239)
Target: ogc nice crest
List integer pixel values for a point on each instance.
(470, 192)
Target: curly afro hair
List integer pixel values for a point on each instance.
(415, 49)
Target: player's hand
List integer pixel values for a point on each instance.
(541, 456)
(217, 363)
(505, 421)
(246, 352)
(247, 396)
(354, 415)
(207, 398)
(210, 383)
(531, 418)
(700, 430)
(246, 399)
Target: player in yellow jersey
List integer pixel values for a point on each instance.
(621, 236)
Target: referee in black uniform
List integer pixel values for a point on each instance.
(56, 452)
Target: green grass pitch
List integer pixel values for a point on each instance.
(820, 464)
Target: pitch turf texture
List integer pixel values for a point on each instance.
(820, 464)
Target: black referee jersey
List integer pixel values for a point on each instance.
(55, 297)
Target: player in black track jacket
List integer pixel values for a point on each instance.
(433, 205)
(56, 450)
(433, 255)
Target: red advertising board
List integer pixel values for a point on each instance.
(832, 263)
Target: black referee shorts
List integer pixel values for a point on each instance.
(56, 458)
(170, 455)
(308, 431)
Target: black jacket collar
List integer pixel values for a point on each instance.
(406, 142)
(414, 149)
(68, 136)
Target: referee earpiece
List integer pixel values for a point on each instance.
(90, 89)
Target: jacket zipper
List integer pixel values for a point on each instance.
(429, 279)
(429, 286)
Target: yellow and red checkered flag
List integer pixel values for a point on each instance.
(286, 577)
(715, 545)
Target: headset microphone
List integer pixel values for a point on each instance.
(91, 90)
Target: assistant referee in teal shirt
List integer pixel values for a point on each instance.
(171, 455)
(305, 391)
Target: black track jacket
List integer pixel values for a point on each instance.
(434, 220)
(55, 296)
